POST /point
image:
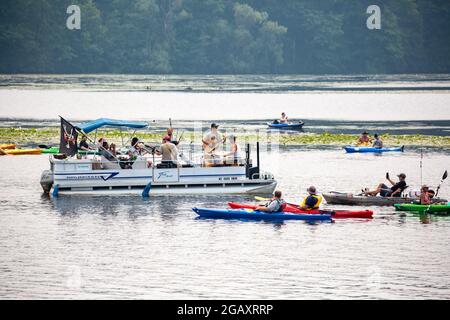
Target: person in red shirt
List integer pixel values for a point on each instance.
(425, 196)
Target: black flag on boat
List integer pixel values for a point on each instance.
(68, 141)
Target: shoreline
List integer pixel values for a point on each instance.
(50, 136)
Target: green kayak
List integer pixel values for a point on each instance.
(52, 150)
(55, 150)
(434, 208)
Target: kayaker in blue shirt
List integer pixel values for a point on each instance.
(378, 143)
(312, 201)
(275, 205)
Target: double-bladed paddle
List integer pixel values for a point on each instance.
(444, 176)
(442, 180)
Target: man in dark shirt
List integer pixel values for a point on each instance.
(84, 145)
(384, 191)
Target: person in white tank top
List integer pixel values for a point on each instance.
(235, 152)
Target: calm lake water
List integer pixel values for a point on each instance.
(399, 97)
(129, 247)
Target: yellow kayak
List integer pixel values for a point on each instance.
(7, 146)
(22, 151)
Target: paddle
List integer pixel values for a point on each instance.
(269, 199)
(442, 180)
(43, 146)
(444, 176)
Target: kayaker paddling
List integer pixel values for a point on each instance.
(312, 201)
(364, 139)
(377, 143)
(283, 119)
(384, 191)
(275, 205)
(425, 195)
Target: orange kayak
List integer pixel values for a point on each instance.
(7, 146)
(22, 151)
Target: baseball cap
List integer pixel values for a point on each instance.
(311, 189)
(402, 175)
(214, 125)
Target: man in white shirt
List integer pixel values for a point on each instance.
(213, 144)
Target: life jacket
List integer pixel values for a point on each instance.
(282, 205)
(316, 206)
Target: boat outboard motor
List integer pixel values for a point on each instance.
(47, 180)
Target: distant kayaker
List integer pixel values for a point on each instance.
(312, 201)
(275, 205)
(425, 196)
(384, 191)
(84, 144)
(378, 143)
(364, 139)
(284, 118)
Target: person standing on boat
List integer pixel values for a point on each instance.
(312, 201)
(384, 191)
(235, 152)
(378, 143)
(172, 138)
(168, 152)
(284, 118)
(364, 139)
(275, 205)
(216, 143)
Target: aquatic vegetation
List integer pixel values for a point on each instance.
(50, 136)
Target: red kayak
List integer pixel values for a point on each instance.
(295, 209)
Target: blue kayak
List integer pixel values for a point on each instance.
(256, 215)
(297, 125)
(372, 149)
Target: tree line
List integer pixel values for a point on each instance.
(225, 37)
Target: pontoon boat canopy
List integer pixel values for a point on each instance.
(102, 122)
